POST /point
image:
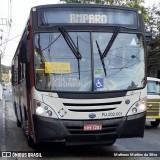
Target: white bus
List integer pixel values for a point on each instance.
(79, 74)
(153, 101)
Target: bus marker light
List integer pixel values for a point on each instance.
(142, 107)
(49, 113)
(39, 110)
(127, 101)
(46, 108)
(34, 9)
(38, 104)
(134, 110)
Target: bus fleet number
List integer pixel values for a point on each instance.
(112, 114)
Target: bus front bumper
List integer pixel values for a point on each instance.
(71, 131)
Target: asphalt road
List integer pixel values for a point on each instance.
(12, 139)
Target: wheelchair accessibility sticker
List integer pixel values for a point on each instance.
(98, 83)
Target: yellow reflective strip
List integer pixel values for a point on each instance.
(38, 69)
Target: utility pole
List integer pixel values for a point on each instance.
(6, 22)
(0, 58)
(0, 69)
(3, 21)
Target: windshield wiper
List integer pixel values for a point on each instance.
(104, 54)
(72, 46)
(102, 60)
(110, 42)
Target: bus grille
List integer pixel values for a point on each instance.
(153, 107)
(92, 107)
(108, 126)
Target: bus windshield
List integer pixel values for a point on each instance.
(57, 68)
(153, 88)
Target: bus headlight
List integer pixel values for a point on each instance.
(138, 107)
(39, 110)
(44, 110)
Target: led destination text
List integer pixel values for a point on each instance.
(88, 18)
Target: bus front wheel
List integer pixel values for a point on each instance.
(18, 123)
(30, 141)
(155, 124)
(17, 120)
(111, 143)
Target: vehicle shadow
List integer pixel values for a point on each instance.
(60, 150)
(149, 127)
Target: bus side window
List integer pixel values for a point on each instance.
(15, 71)
(23, 71)
(19, 73)
(12, 78)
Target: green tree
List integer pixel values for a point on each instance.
(134, 3)
(94, 1)
(84, 1)
(153, 22)
(139, 5)
(5, 74)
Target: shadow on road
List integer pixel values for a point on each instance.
(56, 150)
(149, 127)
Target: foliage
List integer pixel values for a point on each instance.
(5, 74)
(5, 69)
(84, 1)
(154, 20)
(153, 49)
(136, 4)
(95, 1)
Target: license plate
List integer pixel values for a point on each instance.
(92, 127)
(150, 119)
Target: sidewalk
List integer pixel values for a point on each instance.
(2, 124)
(1, 120)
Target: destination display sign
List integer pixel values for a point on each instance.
(88, 18)
(103, 16)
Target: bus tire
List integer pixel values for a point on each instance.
(25, 124)
(17, 120)
(111, 143)
(155, 124)
(31, 142)
(18, 123)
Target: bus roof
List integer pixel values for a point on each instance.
(153, 79)
(86, 14)
(85, 6)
